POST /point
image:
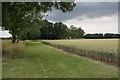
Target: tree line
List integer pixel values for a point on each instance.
(58, 30)
(100, 36)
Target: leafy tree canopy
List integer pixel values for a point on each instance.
(21, 17)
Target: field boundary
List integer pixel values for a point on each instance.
(106, 58)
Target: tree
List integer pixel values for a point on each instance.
(53, 31)
(80, 33)
(75, 32)
(109, 35)
(60, 30)
(94, 36)
(46, 30)
(30, 34)
(20, 17)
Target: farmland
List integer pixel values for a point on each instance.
(103, 49)
(105, 45)
(32, 59)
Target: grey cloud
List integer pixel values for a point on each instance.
(88, 9)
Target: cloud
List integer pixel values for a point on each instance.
(85, 9)
(105, 24)
(5, 34)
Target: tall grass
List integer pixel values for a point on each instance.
(11, 50)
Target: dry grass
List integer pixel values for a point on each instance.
(13, 50)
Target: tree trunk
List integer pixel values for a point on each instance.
(17, 39)
(13, 38)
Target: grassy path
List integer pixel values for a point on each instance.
(42, 61)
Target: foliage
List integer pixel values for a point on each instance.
(46, 30)
(99, 36)
(49, 30)
(20, 17)
(76, 33)
(60, 30)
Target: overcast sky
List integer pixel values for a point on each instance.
(93, 17)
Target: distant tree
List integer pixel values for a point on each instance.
(88, 36)
(53, 31)
(117, 35)
(80, 32)
(75, 32)
(101, 36)
(72, 32)
(46, 30)
(60, 30)
(20, 17)
(94, 36)
(109, 35)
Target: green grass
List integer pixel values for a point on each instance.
(42, 61)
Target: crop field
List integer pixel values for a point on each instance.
(102, 49)
(32, 59)
(105, 45)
